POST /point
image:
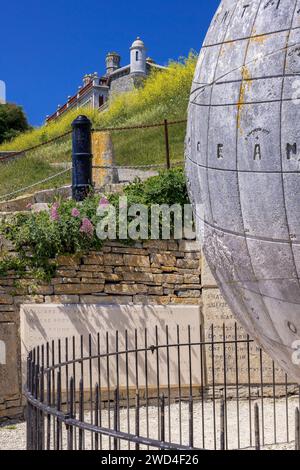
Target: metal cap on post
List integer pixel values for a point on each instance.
(81, 158)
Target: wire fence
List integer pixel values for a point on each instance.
(137, 149)
(161, 388)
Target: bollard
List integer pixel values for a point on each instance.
(81, 158)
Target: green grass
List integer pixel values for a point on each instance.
(164, 96)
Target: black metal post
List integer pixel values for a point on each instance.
(81, 158)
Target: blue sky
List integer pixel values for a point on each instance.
(47, 46)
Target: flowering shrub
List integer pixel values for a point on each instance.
(69, 227)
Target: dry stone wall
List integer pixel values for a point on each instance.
(149, 273)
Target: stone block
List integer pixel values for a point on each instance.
(72, 260)
(163, 259)
(78, 288)
(40, 324)
(113, 259)
(188, 264)
(62, 299)
(93, 259)
(106, 299)
(189, 246)
(126, 289)
(137, 260)
(9, 378)
(6, 299)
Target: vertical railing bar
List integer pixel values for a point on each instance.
(297, 429)
(81, 413)
(249, 389)
(237, 384)
(127, 386)
(117, 393)
(157, 378)
(225, 385)
(287, 409)
(116, 418)
(179, 383)
(74, 388)
(58, 407)
(96, 416)
(147, 383)
(70, 413)
(222, 426)
(262, 398)
(108, 383)
(202, 365)
(169, 384)
(274, 403)
(137, 419)
(162, 419)
(256, 425)
(100, 385)
(213, 384)
(91, 386)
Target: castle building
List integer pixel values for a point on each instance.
(96, 90)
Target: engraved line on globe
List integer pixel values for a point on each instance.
(260, 57)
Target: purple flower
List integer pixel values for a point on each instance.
(87, 227)
(54, 213)
(75, 212)
(55, 205)
(29, 206)
(104, 202)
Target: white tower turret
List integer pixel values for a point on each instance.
(138, 57)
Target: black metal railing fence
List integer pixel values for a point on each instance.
(170, 389)
(148, 147)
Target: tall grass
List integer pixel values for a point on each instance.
(164, 95)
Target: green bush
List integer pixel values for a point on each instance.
(69, 227)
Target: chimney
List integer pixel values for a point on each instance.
(112, 62)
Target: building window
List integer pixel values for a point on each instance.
(137, 56)
(101, 101)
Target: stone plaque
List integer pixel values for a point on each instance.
(45, 323)
(9, 379)
(217, 313)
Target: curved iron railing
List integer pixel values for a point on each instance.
(170, 389)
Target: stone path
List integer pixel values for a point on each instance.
(14, 437)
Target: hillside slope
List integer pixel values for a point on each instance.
(164, 96)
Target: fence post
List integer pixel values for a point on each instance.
(297, 429)
(81, 158)
(256, 426)
(167, 144)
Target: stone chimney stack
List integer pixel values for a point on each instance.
(113, 61)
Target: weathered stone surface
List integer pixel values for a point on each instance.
(125, 289)
(6, 299)
(188, 263)
(242, 151)
(48, 322)
(106, 299)
(9, 378)
(78, 288)
(113, 259)
(62, 299)
(72, 261)
(137, 260)
(163, 259)
(217, 313)
(93, 259)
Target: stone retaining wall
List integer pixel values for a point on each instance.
(149, 273)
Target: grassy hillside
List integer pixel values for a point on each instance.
(165, 95)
